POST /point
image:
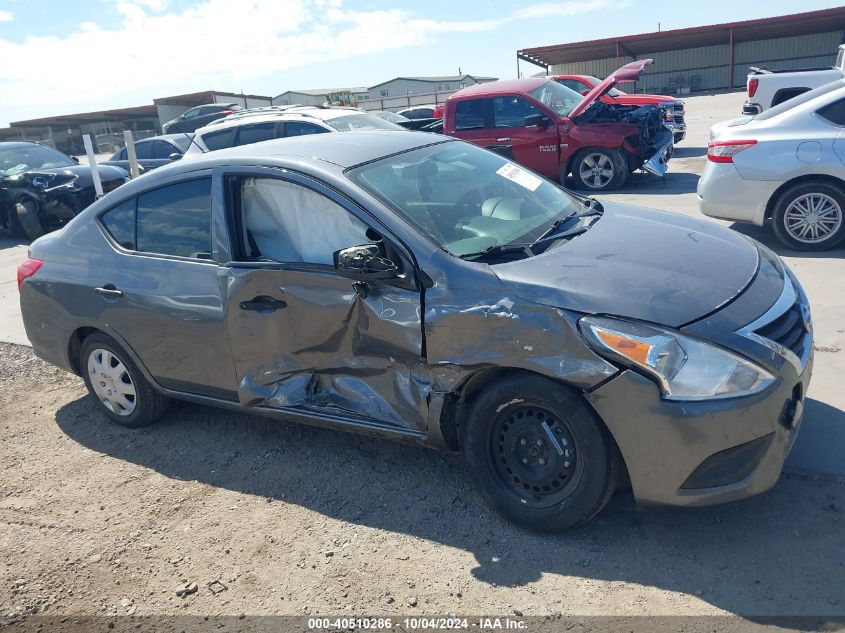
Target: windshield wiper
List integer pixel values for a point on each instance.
(500, 249)
(558, 230)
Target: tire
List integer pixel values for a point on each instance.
(25, 220)
(599, 169)
(810, 216)
(520, 472)
(102, 360)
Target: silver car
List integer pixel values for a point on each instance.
(786, 165)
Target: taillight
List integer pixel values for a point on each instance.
(752, 87)
(724, 151)
(27, 269)
(227, 112)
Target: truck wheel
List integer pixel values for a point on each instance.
(25, 221)
(599, 169)
(117, 384)
(809, 216)
(539, 454)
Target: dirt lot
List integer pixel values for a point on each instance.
(271, 518)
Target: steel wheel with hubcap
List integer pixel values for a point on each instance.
(810, 216)
(538, 453)
(111, 382)
(599, 169)
(120, 389)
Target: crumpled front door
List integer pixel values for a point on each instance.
(305, 339)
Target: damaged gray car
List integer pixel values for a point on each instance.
(420, 288)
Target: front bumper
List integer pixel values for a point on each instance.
(699, 453)
(659, 162)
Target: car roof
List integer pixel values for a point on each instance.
(301, 114)
(502, 86)
(166, 137)
(345, 150)
(14, 144)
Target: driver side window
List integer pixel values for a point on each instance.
(290, 223)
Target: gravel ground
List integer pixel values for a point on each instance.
(209, 512)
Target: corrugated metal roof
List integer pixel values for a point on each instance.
(675, 39)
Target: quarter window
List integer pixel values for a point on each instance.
(469, 114)
(120, 224)
(221, 139)
(834, 112)
(176, 220)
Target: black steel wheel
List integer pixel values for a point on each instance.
(539, 455)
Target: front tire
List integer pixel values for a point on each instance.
(26, 221)
(599, 169)
(116, 383)
(539, 455)
(810, 216)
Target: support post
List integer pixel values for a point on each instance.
(130, 154)
(92, 163)
(730, 58)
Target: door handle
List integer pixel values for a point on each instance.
(109, 292)
(263, 303)
(504, 139)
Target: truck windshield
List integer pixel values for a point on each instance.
(559, 98)
(613, 92)
(466, 199)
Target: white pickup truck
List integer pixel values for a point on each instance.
(767, 88)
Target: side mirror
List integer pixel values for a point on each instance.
(535, 120)
(75, 159)
(175, 156)
(364, 263)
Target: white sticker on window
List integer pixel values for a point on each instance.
(518, 175)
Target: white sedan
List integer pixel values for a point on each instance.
(786, 165)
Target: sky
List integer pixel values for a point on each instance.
(69, 56)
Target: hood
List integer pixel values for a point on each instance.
(80, 174)
(643, 99)
(628, 72)
(641, 264)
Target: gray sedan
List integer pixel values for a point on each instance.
(423, 289)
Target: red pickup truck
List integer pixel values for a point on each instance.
(674, 107)
(556, 131)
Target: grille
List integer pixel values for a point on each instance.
(788, 330)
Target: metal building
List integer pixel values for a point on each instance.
(714, 57)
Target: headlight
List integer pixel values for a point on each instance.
(685, 368)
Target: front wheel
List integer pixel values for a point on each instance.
(26, 221)
(809, 216)
(539, 454)
(117, 384)
(599, 169)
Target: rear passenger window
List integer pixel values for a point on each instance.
(176, 220)
(120, 224)
(249, 134)
(298, 128)
(834, 112)
(220, 139)
(469, 114)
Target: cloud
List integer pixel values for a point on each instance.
(6, 16)
(218, 44)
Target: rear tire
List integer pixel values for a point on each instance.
(26, 221)
(599, 169)
(116, 383)
(810, 216)
(539, 455)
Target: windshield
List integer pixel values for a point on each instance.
(361, 121)
(559, 98)
(31, 156)
(392, 116)
(802, 98)
(465, 198)
(613, 92)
